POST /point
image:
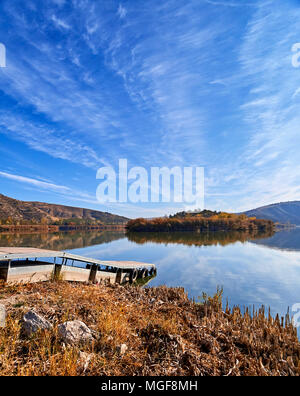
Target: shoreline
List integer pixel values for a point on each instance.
(143, 331)
(39, 228)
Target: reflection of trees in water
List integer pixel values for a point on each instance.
(60, 240)
(76, 239)
(196, 239)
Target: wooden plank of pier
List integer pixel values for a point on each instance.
(19, 253)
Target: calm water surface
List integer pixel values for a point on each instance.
(251, 271)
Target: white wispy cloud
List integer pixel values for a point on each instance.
(266, 169)
(41, 138)
(59, 2)
(60, 23)
(41, 75)
(165, 84)
(72, 194)
(122, 11)
(35, 182)
(162, 73)
(232, 4)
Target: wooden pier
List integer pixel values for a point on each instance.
(27, 265)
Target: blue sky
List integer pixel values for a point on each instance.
(175, 83)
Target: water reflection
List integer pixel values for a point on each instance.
(253, 269)
(78, 239)
(60, 240)
(196, 239)
(250, 272)
(283, 240)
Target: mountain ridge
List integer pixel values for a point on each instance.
(18, 210)
(282, 212)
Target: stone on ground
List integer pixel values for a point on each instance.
(75, 332)
(32, 322)
(2, 315)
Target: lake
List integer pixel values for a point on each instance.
(252, 271)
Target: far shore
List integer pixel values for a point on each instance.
(45, 228)
(200, 223)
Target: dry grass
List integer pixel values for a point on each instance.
(166, 334)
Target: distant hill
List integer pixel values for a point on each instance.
(283, 212)
(38, 211)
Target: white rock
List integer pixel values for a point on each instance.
(2, 315)
(75, 332)
(32, 322)
(123, 349)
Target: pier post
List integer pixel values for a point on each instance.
(119, 275)
(93, 273)
(57, 271)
